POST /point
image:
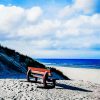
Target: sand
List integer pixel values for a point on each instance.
(82, 87)
(20, 89)
(92, 75)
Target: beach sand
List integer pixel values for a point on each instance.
(20, 89)
(85, 74)
(84, 86)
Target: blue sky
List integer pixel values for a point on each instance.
(51, 28)
(30, 3)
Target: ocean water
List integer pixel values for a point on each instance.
(75, 63)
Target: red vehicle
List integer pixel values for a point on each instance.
(40, 73)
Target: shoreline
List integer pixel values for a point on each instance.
(92, 75)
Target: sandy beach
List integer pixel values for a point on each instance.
(92, 75)
(83, 86)
(20, 89)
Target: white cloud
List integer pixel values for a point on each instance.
(77, 8)
(86, 5)
(30, 30)
(80, 26)
(25, 47)
(33, 14)
(10, 17)
(13, 18)
(79, 33)
(39, 30)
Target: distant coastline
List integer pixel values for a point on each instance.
(73, 63)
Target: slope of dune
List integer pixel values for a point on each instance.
(14, 65)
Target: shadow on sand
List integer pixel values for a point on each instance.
(64, 86)
(60, 86)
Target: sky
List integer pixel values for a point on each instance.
(51, 28)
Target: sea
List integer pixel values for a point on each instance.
(74, 63)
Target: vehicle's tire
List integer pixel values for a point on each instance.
(28, 75)
(45, 77)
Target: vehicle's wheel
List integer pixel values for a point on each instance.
(28, 75)
(45, 77)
